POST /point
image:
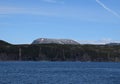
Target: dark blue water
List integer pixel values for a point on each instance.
(59, 73)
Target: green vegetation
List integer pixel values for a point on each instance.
(59, 52)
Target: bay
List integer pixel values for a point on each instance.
(59, 72)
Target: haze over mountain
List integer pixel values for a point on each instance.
(104, 41)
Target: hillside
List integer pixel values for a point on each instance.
(60, 52)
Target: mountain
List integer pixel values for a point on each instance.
(54, 41)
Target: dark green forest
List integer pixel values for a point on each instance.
(59, 52)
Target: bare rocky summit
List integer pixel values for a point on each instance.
(56, 41)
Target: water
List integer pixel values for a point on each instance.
(59, 73)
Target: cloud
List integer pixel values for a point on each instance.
(53, 1)
(50, 1)
(19, 10)
(50, 11)
(9, 10)
(45, 11)
(107, 8)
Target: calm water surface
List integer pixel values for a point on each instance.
(59, 73)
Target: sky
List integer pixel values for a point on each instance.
(22, 21)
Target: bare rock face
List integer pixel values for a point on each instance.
(56, 41)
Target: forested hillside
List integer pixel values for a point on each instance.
(59, 52)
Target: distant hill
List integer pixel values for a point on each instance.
(54, 41)
(113, 44)
(3, 43)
